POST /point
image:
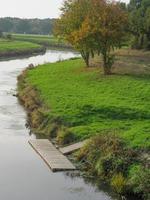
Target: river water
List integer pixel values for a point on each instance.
(23, 175)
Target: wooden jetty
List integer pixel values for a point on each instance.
(71, 148)
(52, 156)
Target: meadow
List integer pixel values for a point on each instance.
(14, 48)
(88, 102)
(68, 102)
(46, 40)
(27, 44)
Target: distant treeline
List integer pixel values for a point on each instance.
(28, 26)
(139, 23)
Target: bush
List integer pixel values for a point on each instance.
(139, 180)
(118, 182)
(36, 118)
(52, 130)
(108, 158)
(64, 136)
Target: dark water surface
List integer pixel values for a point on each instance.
(23, 175)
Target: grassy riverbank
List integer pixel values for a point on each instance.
(70, 102)
(46, 40)
(15, 48)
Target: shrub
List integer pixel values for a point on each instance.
(64, 136)
(36, 118)
(118, 182)
(107, 157)
(52, 130)
(139, 180)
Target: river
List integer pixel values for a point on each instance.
(23, 175)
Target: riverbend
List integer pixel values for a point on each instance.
(23, 175)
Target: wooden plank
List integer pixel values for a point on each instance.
(53, 157)
(71, 148)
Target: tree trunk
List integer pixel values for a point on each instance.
(148, 40)
(86, 57)
(107, 70)
(141, 41)
(106, 66)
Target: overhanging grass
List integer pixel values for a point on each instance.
(91, 103)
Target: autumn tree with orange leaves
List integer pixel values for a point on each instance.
(69, 25)
(93, 26)
(106, 23)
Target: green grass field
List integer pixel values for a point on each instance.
(47, 40)
(89, 102)
(17, 47)
(22, 44)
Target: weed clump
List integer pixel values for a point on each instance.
(64, 136)
(139, 180)
(118, 182)
(107, 157)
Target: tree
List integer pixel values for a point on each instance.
(69, 25)
(134, 4)
(147, 27)
(1, 33)
(140, 22)
(105, 23)
(93, 26)
(23, 26)
(6, 24)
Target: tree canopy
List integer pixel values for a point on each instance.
(74, 14)
(93, 26)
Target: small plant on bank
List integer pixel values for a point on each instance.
(64, 136)
(118, 182)
(139, 180)
(107, 157)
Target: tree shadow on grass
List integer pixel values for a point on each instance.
(145, 77)
(89, 114)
